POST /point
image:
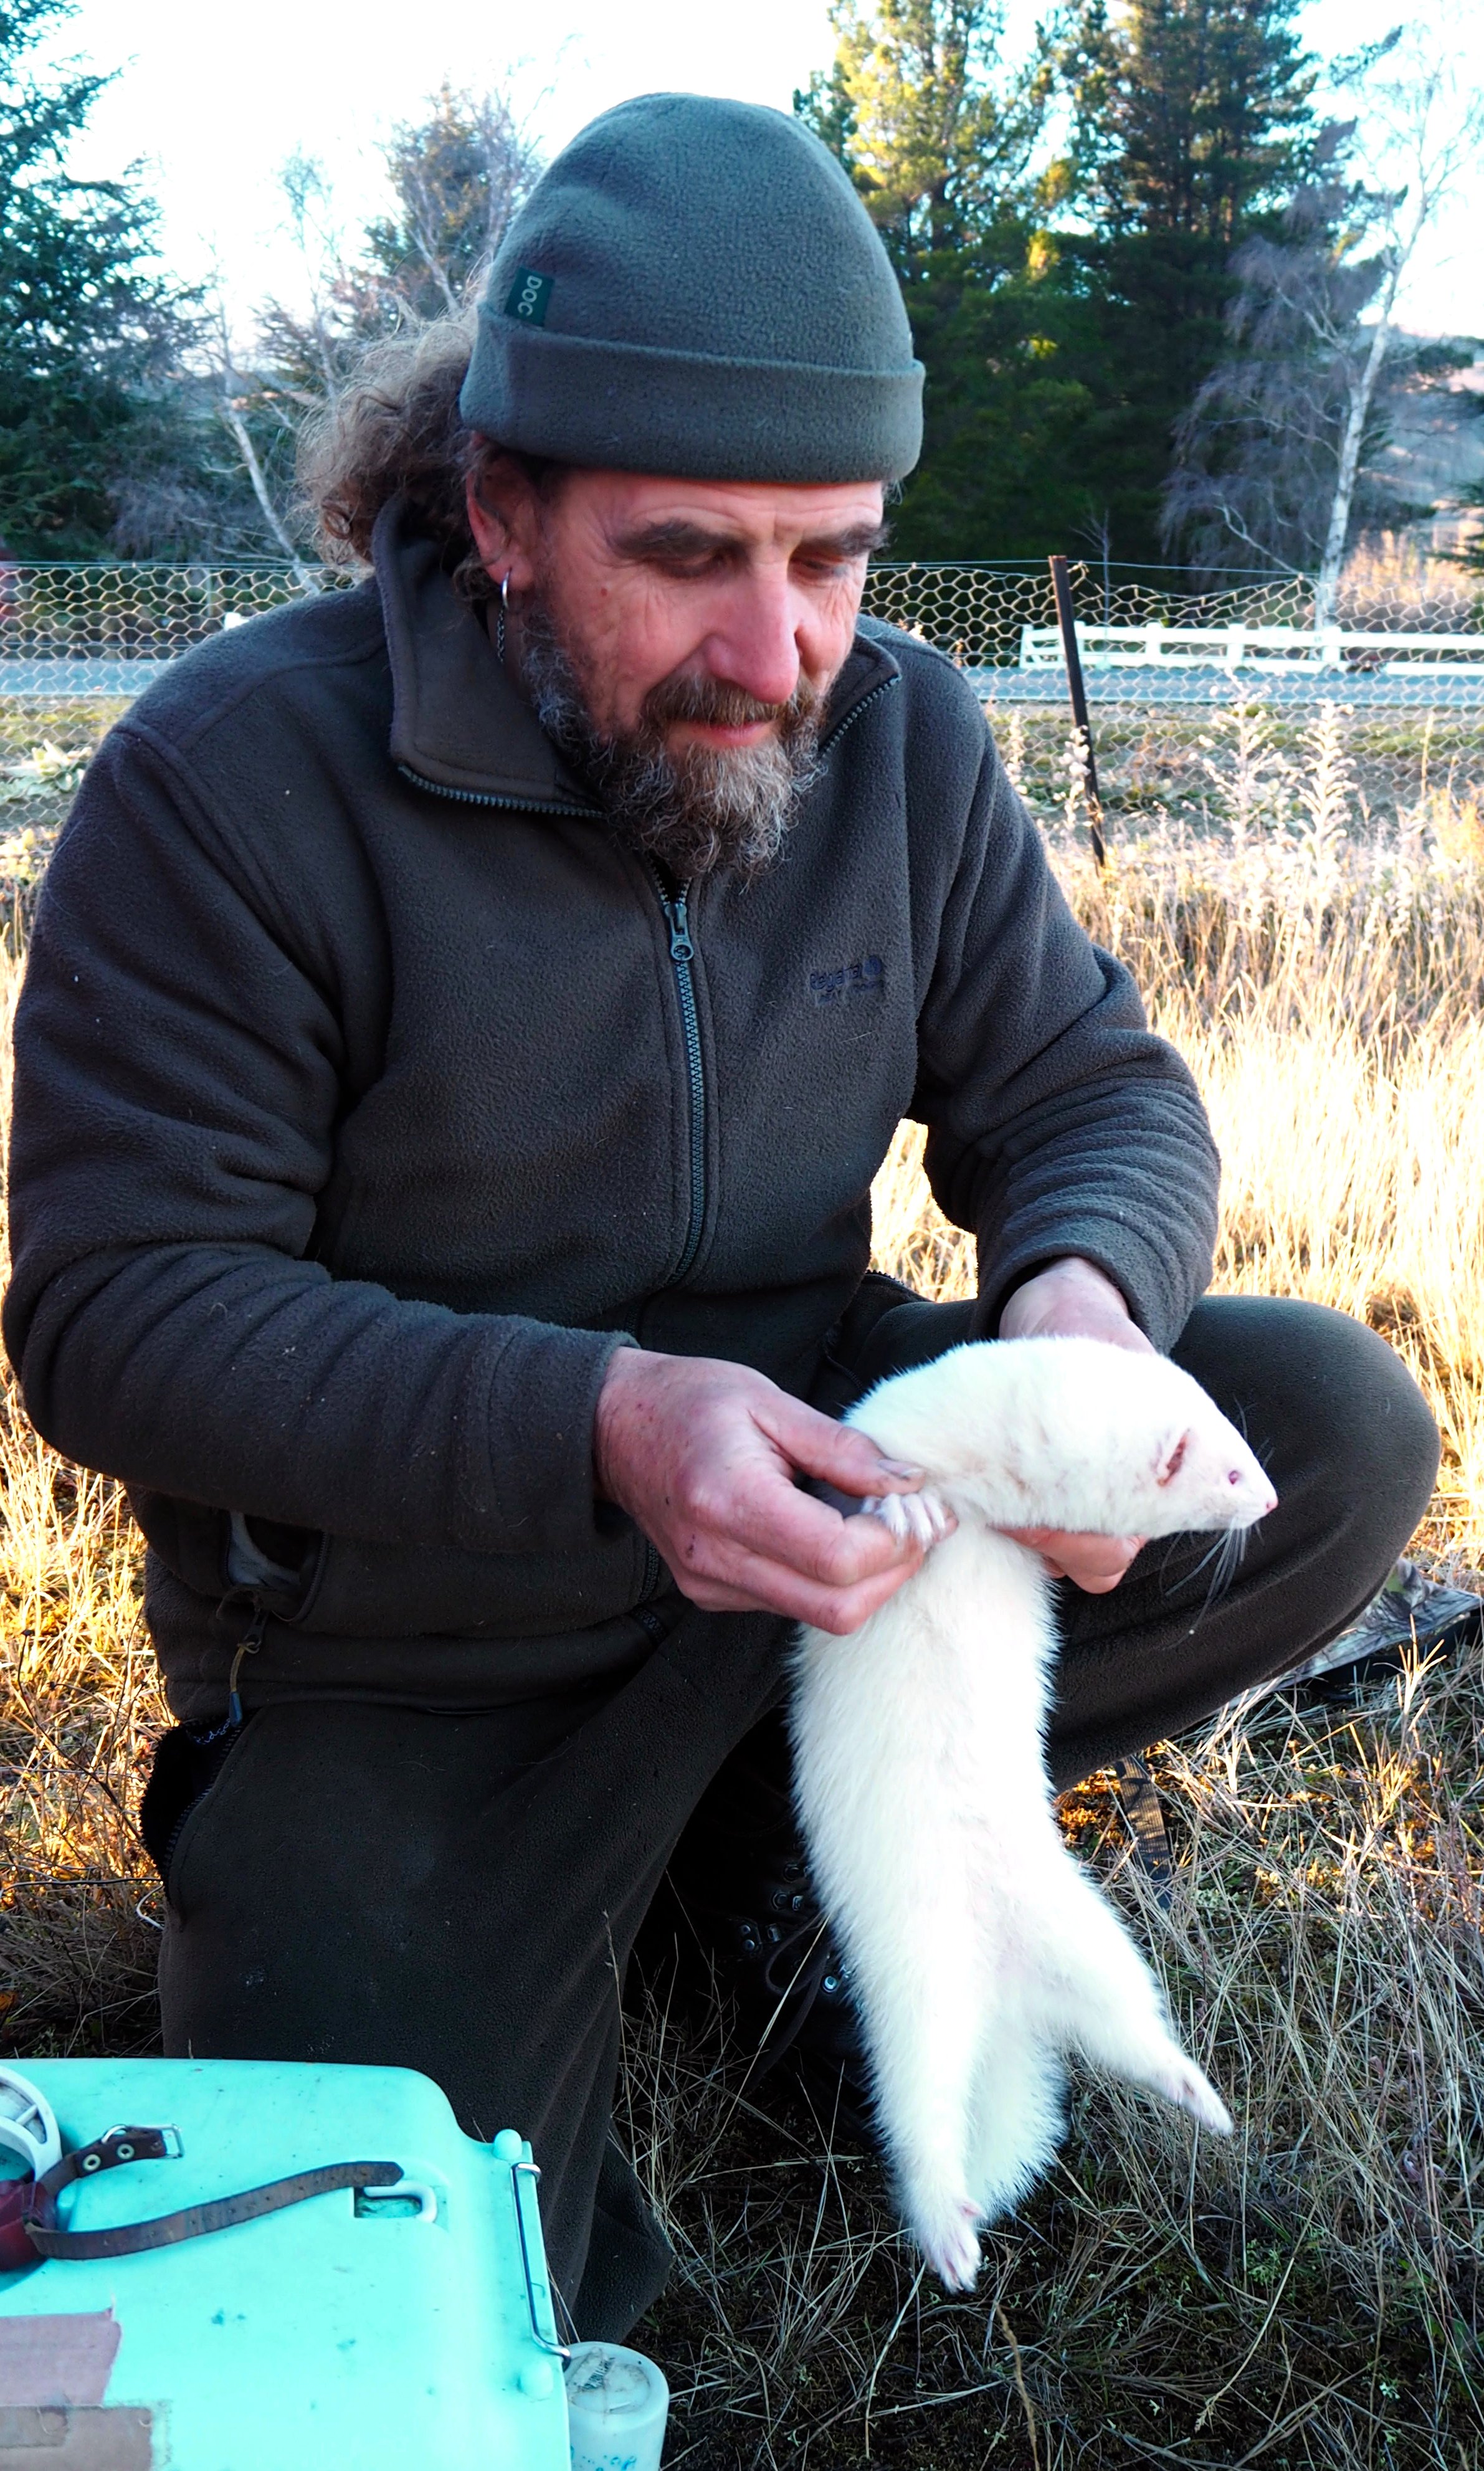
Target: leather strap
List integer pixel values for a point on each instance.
(1139, 1796)
(123, 2145)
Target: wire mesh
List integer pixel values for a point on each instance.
(1193, 718)
(90, 631)
(977, 612)
(1146, 642)
(78, 630)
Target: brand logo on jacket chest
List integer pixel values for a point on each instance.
(854, 982)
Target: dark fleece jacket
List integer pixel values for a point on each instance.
(365, 1101)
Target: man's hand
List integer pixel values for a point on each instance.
(702, 1455)
(1073, 1298)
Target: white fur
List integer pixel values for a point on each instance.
(978, 1950)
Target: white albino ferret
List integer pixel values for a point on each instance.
(979, 1949)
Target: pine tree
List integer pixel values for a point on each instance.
(91, 330)
(937, 133)
(1193, 129)
(457, 177)
(944, 139)
(1193, 115)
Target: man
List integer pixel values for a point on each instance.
(465, 1019)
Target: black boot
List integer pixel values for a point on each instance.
(751, 1925)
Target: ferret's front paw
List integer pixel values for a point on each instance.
(922, 1518)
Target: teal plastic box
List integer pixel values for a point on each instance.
(355, 2331)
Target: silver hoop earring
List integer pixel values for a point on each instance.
(500, 615)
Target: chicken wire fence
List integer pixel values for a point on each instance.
(1205, 707)
(79, 632)
(1146, 641)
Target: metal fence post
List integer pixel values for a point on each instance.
(1067, 621)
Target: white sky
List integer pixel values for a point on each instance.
(212, 101)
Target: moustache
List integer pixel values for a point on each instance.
(719, 705)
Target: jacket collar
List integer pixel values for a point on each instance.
(456, 721)
(459, 724)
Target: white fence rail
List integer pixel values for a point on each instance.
(1335, 649)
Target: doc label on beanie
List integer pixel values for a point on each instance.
(694, 287)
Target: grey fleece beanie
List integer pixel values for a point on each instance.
(695, 288)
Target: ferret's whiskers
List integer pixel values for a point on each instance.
(1222, 1558)
(1175, 1547)
(1212, 1554)
(1228, 1560)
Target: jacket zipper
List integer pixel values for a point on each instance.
(655, 1628)
(682, 953)
(675, 906)
(487, 798)
(855, 711)
(673, 901)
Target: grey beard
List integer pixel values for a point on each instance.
(697, 811)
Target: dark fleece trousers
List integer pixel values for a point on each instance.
(459, 1894)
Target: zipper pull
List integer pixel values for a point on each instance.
(248, 1644)
(681, 947)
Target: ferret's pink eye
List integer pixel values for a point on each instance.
(1236, 1476)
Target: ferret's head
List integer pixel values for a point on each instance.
(1070, 1433)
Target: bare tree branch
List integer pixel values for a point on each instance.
(1272, 451)
(305, 576)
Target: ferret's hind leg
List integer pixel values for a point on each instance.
(1092, 1992)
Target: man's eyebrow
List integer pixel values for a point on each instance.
(681, 539)
(861, 540)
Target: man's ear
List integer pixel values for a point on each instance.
(1169, 1458)
(500, 502)
(492, 533)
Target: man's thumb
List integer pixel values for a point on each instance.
(844, 1456)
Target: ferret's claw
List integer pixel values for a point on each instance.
(920, 1518)
(887, 1508)
(941, 1518)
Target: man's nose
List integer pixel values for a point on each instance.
(755, 645)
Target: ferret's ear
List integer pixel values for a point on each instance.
(1170, 1456)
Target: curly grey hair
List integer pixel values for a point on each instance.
(397, 430)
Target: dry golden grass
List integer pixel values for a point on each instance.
(1392, 579)
(1312, 2293)
(78, 1706)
